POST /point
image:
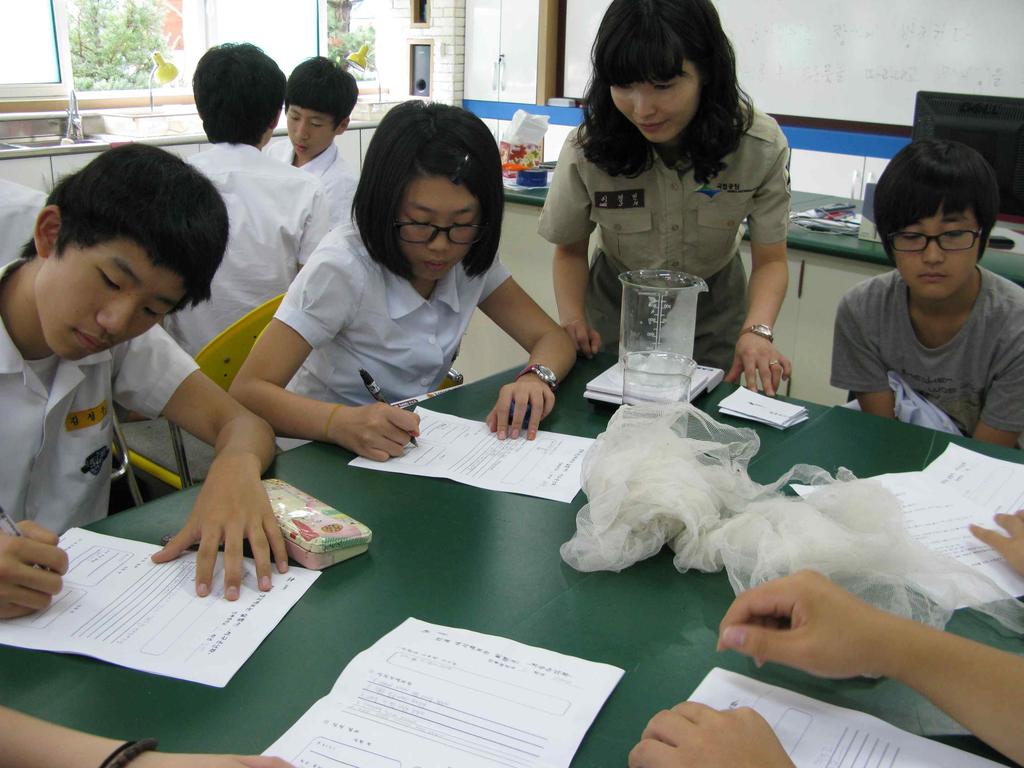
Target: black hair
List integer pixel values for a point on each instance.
(238, 91)
(648, 41)
(152, 198)
(930, 175)
(418, 139)
(322, 85)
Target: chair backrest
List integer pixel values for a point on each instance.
(223, 356)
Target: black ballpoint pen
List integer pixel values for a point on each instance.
(374, 389)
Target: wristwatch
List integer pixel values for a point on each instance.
(543, 373)
(760, 329)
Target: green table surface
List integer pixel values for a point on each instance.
(465, 557)
(1009, 265)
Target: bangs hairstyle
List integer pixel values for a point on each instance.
(931, 175)
(322, 86)
(238, 91)
(416, 139)
(152, 198)
(645, 41)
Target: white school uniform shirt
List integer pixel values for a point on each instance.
(356, 314)
(277, 214)
(337, 176)
(56, 435)
(19, 206)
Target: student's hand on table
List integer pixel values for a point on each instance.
(232, 506)
(508, 415)
(755, 358)
(170, 760)
(377, 431)
(807, 622)
(586, 339)
(24, 588)
(692, 734)
(1010, 546)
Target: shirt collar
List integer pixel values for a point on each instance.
(320, 164)
(402, 298)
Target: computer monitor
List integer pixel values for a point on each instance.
(993, 125)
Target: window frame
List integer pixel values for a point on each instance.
(29, 91)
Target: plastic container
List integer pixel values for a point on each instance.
(532, 178)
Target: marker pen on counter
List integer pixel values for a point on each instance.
(375, 392)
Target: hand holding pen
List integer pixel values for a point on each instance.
(377, 431)
(31, 564)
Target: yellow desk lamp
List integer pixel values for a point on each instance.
(358, 60)
(162, 73)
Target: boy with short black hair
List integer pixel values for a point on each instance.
(317, 104)
(945, 333)
(278, 214)
(129, 239)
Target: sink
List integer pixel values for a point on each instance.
(169, 120)
(34, 142)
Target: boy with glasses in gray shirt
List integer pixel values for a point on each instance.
(951, 331)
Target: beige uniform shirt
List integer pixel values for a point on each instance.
(664, 218)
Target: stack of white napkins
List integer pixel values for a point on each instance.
(766, 410)
(607, 387)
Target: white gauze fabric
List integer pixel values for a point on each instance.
(673, 475)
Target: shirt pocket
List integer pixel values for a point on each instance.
(717, 225)
(627, 236)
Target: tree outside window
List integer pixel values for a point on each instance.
(349, 26)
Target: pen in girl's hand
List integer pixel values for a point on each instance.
(374, 389)
(7, 525)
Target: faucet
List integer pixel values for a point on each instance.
(74, 130)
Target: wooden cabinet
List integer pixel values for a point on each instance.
(501, 50)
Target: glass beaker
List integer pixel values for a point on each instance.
(659, 311)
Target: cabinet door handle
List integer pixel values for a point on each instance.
(494, 74)
(501, 69)
(855, 185)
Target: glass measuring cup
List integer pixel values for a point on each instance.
(659, 311)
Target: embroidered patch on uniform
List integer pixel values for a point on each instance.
(708, 191)
(730, 186)
(94, 462)
(620, 199)
(87, 418)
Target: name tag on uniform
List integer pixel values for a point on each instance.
(87, 418)
(620, 199)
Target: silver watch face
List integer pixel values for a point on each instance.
(547, 374)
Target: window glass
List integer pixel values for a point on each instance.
(28, 48)
(350, 25)
(288, 32)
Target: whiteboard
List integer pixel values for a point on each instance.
(862, 60)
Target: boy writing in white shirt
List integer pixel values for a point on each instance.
(132, 237)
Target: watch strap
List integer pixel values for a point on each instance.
(542, 372)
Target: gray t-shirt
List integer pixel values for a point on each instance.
(979, 374)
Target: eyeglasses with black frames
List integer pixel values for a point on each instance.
(459, 234)
(951, 240)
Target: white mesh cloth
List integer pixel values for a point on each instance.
(673, 475)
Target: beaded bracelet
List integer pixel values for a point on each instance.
(127, 752)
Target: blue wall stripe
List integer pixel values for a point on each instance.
(817, 139)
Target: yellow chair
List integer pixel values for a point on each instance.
(220, 359)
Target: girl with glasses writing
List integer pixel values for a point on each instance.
(939, 341)
(393, 292)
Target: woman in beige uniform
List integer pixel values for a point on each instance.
(669, 161)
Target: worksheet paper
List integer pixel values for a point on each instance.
(994, 484)
(938, 518)
(426, 695)
(468, 452)
(763, 409)
(819, 735)
(119, 606)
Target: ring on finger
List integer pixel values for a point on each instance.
(774, 362)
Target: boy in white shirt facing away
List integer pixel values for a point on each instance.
(951, 331)
(278, 214)
(19, 206)
(132, 237)
(317, 104)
